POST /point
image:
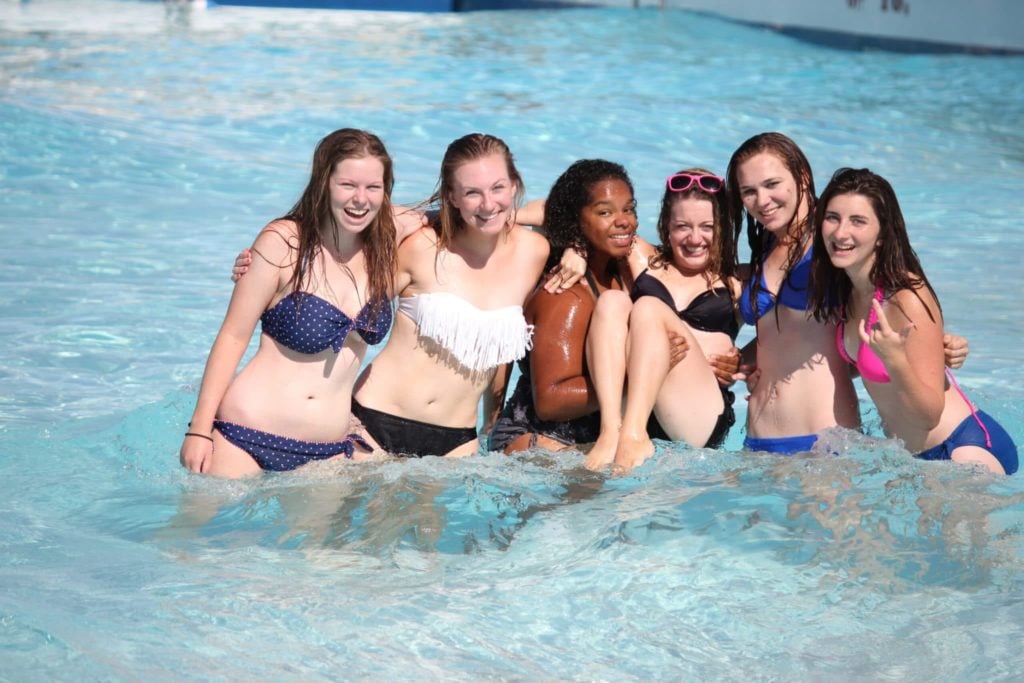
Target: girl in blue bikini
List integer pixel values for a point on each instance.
(801, 386)
(321, 285)
(890, 325)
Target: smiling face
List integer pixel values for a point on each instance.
(356, 192)
(483, 194)
(851, 232)
(608, 220)
(769, 192)
(691, 233)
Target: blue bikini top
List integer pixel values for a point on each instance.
(795, 292)
(710, 311)
(306, 323)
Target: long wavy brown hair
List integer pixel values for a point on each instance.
(313, 217)
(896, 264)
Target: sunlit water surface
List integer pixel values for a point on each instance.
(141, 146)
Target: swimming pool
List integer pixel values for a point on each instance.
(141, 146)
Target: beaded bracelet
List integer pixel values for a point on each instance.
(201, 436)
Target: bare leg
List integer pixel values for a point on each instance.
(606, 360)
(976, 455)
(469, 448)
(229, 460)
(685, 398)
(531, 441)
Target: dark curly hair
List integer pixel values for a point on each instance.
(568, 196)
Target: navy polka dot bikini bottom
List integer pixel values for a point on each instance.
(279, 453)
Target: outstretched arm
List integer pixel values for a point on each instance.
(407, 221)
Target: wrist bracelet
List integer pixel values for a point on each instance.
(201, 436)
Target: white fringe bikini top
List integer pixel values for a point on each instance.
(479, 339)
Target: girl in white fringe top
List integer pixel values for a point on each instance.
(461, 285)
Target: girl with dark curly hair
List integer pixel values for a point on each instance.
(591, 208)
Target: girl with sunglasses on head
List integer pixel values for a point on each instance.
(868, 280)
(799, 384)
(689, 289)
(591, 210)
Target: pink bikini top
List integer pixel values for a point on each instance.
(871, 368)
(868, 364)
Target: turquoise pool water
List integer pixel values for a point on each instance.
(141, 146)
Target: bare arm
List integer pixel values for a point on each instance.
(248, 301)
(561, 387)
(407, 221)
(909, 344)
(532, 213)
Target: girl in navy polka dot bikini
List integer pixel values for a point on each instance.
(320, 282)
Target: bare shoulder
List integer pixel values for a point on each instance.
(532, 243)
(277, 241)
(916, 306)
(420, 241)
(407, 221)
(644, 247)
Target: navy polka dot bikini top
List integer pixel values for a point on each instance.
(308, 324)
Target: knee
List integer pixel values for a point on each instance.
(647, 309)
(612, 305)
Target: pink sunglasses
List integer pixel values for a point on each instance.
(681, 182)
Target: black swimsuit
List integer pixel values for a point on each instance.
(710, 311)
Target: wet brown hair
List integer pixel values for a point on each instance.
(312, 213)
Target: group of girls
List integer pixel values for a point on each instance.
(640, 347)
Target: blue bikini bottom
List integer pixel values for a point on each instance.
(970, 433)
(784, 445)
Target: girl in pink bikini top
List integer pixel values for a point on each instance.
(860, 244)
(868, 364)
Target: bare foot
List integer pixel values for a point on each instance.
(601, 454)
(632, 451)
